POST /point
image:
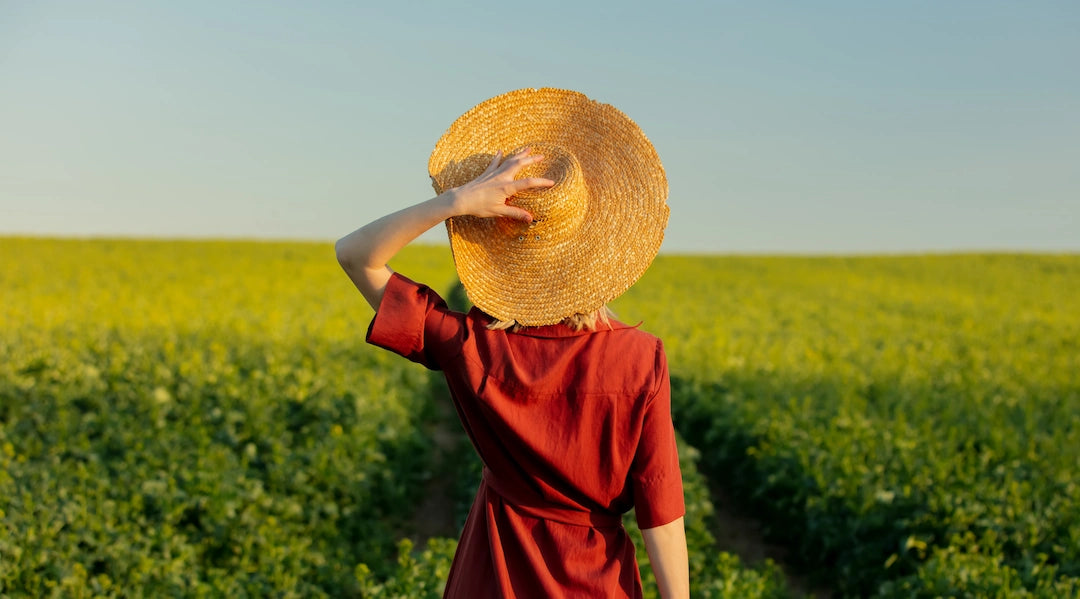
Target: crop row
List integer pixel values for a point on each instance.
(187, 470)
(196, 419)
(908, 426)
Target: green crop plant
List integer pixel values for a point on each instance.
(886, 417)
(183, 418)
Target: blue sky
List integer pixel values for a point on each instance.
(824, 127)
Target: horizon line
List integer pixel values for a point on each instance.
(427, 243)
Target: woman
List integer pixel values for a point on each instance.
(568, 409)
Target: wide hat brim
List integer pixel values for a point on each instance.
(594, 233)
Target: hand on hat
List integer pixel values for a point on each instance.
(486, 195)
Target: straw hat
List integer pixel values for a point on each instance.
(593, 233)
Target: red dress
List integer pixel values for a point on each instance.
(574, 429)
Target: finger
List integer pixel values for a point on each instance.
(532, 183)
(518, 161)
(527, 157)
(494, 162)
(515, 213)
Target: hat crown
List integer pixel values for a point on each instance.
(557, 211)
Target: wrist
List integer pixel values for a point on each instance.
(450, 203)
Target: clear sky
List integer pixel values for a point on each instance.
(800, 127)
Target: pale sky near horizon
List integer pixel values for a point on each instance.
(798, 127)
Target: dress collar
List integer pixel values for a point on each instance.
(556, 330)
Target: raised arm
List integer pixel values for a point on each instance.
(666, 546)
(364, 252)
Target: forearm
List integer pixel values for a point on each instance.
(374, 244)
(666, 546)
(364, 252)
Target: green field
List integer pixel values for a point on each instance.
(205, 419)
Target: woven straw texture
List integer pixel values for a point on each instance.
(593, 234)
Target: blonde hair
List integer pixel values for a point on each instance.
(577, 322)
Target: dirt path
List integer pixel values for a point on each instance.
(741, 535)
(434, 517)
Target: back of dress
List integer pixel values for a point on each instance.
(574, 428)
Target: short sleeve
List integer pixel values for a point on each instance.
(413, 321)
(655, 473)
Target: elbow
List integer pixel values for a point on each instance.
(342, 254)
(353, 253)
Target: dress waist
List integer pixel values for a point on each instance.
(537, 507)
